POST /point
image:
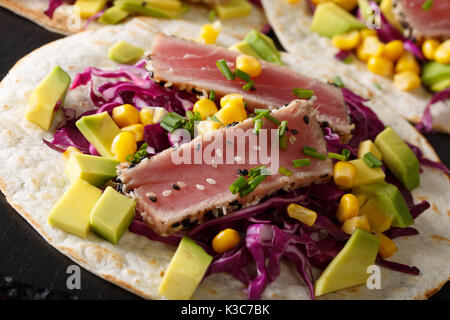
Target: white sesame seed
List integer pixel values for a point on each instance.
(150, 194)
(292, 139)
(167, 193)
(200, 187)
(181, 184)
(224, 211)
(211, 181)
(213, 163)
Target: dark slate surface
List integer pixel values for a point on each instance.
(29, 267)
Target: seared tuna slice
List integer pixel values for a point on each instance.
(173, 196)
(419, 23)
(191, 65)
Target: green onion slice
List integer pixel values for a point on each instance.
(371, 160)
(337, 156)
(212, 95)
(297, 163)
(303, 93)
(284, 171)
(242, 75)
(238, 184)
(248, 85)
(308, 152)
(283, 142)
(223, 67)
(258, 126)
(282, 128)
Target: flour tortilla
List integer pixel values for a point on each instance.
(64, 21)
(291, 23)
(32, 179)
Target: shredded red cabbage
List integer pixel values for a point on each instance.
(395, 232)
(427, 162)
(156, 137)
(397, 266)
(52, 6)
(343, 54)
(426, 125)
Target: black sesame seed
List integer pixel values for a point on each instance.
(132, 165)
(176, 187)
(294, 131)
(195, 91)
(253, 88)
(176, 224)
(119, 187)
(209, 215)
(186, 222)
(243, 172)
(153, 199)
(306, 119)
(325, 124)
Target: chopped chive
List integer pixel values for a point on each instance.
(238, 184)
(347, 60)
(309, 148)
(284, 171)
(297, 163)
(303, 93)
(346, 154)
(261, 115)
(427, 5)
(223, 67)
(372, 161)
(249, 85)
(282, 128)
(338, 82)
(258, 126)
(252, 184)
(258, 111)
(257, 171)
(212, 16)
(242, 75)
(274, 120)
(214, 118)
(245, 105)
(267, 115)
(308, 152)
(337, 156)
(377, 85)
(212, 95)
(283, 142)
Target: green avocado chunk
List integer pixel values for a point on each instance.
(244, 48)
(95, 170)
(185, 271)
(51, 90)
(146, 9)
(329, 19)
(100, 130)
(263, 46)
(388, 198)
(233, 9)
(349, 267)
(124, 52)
(436, 75)
(112, 215)
(71, 212)
(113, 15)
(399, 158)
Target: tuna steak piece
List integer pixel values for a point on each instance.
(190, 65)
(419, 23)
(173, 196)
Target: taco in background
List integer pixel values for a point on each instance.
(386, 47)
(67, 17)
(231, 221)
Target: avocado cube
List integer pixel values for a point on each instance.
(100, 130)
(71, 212)
(89, 7)
(441, 85)
(368, 146)
(112, 215)
(349, 267)
(436, 75)
(399, 158)
(263, 46)
(113, 15)
(244, 48)
(124, 52)
(43, 100)
(365, 174)
(233, 9)
(146, 8)
(379, 219)
(389, 200)
(329, 20)
(185, 271)
(95, 170)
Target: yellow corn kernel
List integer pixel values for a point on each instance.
(369, 47)
(302, 214)
(136, 129)
(232, 110)
(249, 65)
(123, 145)
(125, 115)
(407, 81)
(429, 48)
(225, 240)
(352, 224)
(368, 33)
(344, 174)
(69, 151)
(292, 1)
(381, 66)
(209, 33)
(347, 41)
(207, 126)
(387, 246)
(442, 54)
(205, 107)
(146, 116)
(348, 207)
(348, 5)
(407, 62)
(393, 50)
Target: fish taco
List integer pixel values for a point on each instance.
(399, 49)
(191, 171)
